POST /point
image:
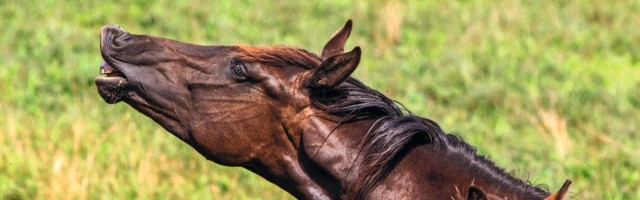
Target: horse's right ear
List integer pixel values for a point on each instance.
(559, 195)
(334, 70)
(335, 45)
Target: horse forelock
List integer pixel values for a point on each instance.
(279, 56)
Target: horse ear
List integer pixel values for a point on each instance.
(559, 195)
(334, 70)
(336, 43)
(475, 193)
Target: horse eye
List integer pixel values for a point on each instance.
(238, 68)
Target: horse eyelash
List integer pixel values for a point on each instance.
(238, 68)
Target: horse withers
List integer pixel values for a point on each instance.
(297, 119)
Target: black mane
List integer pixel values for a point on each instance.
(393, 130)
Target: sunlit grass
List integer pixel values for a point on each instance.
(550, 90)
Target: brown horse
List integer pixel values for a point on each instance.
(298, 120)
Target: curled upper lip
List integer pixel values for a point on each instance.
(108, 34)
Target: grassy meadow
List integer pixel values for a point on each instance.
(549, 90)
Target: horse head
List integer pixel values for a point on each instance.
(236, 105)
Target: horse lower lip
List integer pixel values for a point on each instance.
(111, 88)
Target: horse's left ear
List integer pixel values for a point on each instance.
(475, 193)
(335, 45)
(334, 70)
(559, 195)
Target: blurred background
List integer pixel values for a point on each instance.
(549, 90)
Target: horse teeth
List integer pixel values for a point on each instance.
(105, 68)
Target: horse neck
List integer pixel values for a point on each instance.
(333, 150)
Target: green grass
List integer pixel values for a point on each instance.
(548, 89)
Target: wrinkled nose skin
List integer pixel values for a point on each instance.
(112, 35)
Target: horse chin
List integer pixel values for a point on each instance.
(111, 88)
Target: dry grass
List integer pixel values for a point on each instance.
(553, 128)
